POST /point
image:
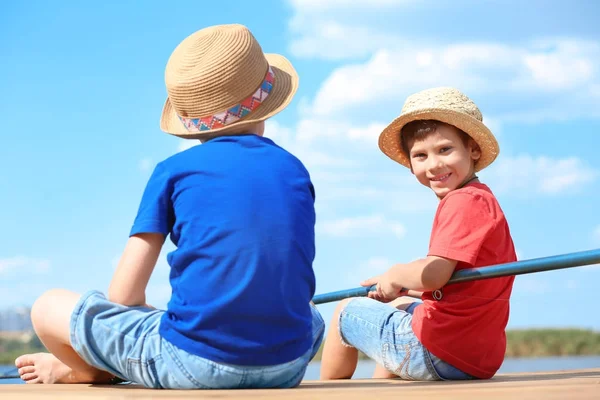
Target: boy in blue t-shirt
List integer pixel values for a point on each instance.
(240, 211)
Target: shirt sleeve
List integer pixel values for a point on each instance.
(462, 224)
(155, 213)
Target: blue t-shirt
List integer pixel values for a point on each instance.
(240, 210)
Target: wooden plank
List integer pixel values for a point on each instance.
(580, 384)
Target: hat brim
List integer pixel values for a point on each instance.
(389, 139)
(284, 88)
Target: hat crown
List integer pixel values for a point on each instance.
(214, 69)
(443, 98)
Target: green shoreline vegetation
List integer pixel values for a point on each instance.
(520, 343)
(548, 342)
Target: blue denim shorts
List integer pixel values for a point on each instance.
(385, 334)
(125, 342)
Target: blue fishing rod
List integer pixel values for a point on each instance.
(551, 263)
(12, 375)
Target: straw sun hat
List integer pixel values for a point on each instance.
(219, 81)
(443, 104)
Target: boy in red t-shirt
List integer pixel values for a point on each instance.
(458, 331)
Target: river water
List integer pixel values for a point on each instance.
(365, 367)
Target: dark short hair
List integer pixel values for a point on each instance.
(420, 129)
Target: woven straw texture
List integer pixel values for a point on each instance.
(443, 104)
(216, 68)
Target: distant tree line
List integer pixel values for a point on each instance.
(544, 343)
(520, 343)
(12, 348)
(552, 342)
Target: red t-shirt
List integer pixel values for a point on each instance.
(466, 326)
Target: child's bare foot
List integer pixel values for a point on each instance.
(43, 368)
(46, 368)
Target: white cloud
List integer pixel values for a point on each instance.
(24, 265)
(372, 267)
(310, 130)
(114, 262)
(553, 71)
(370, 133)
(531, 285)
(459, 56)
(299, 143)
(158, 294)
(525, 83)
(162, 264)
(520, 78)
(185, 144)
(361, 226)
(562, 64)
(591, 266)
(331, 40)
(542, 175)
(145, 164)
(596, 235)
(347, 166)
(328, 29)
(318, 6)
(519, 254)
(396, 199)
(375, 266)
(571, 284)
(22, 293)
(537, 79)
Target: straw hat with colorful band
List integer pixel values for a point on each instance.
(443, 104)
(219, 81)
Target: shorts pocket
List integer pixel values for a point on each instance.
(144, 372)
(445, 371)
(396, 359)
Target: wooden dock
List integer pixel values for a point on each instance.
(579, 384)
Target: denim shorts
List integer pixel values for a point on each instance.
(125, 342)
(385, 334)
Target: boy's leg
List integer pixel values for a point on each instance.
(401, 303)
(51, 318)
(318, 330)
(338, 360)
(385, 335)
(381, 373)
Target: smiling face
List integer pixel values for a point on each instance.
(442, 160)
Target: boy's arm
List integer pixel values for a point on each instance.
(426, 274)
(128, 285)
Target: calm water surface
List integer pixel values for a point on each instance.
(365, 367)
(511, 365)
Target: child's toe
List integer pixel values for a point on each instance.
(29, 377)
(24, 360)
(28, 369)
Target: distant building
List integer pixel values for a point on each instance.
(23, 337)
(15, 320)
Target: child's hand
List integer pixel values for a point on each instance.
(386, 290)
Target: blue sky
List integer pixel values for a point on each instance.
(82, 91)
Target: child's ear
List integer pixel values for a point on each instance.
(475, 150)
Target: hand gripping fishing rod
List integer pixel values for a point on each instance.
(551, 263)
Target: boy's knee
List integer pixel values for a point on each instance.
(341, 305)
(43, 306)
(39, 309)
